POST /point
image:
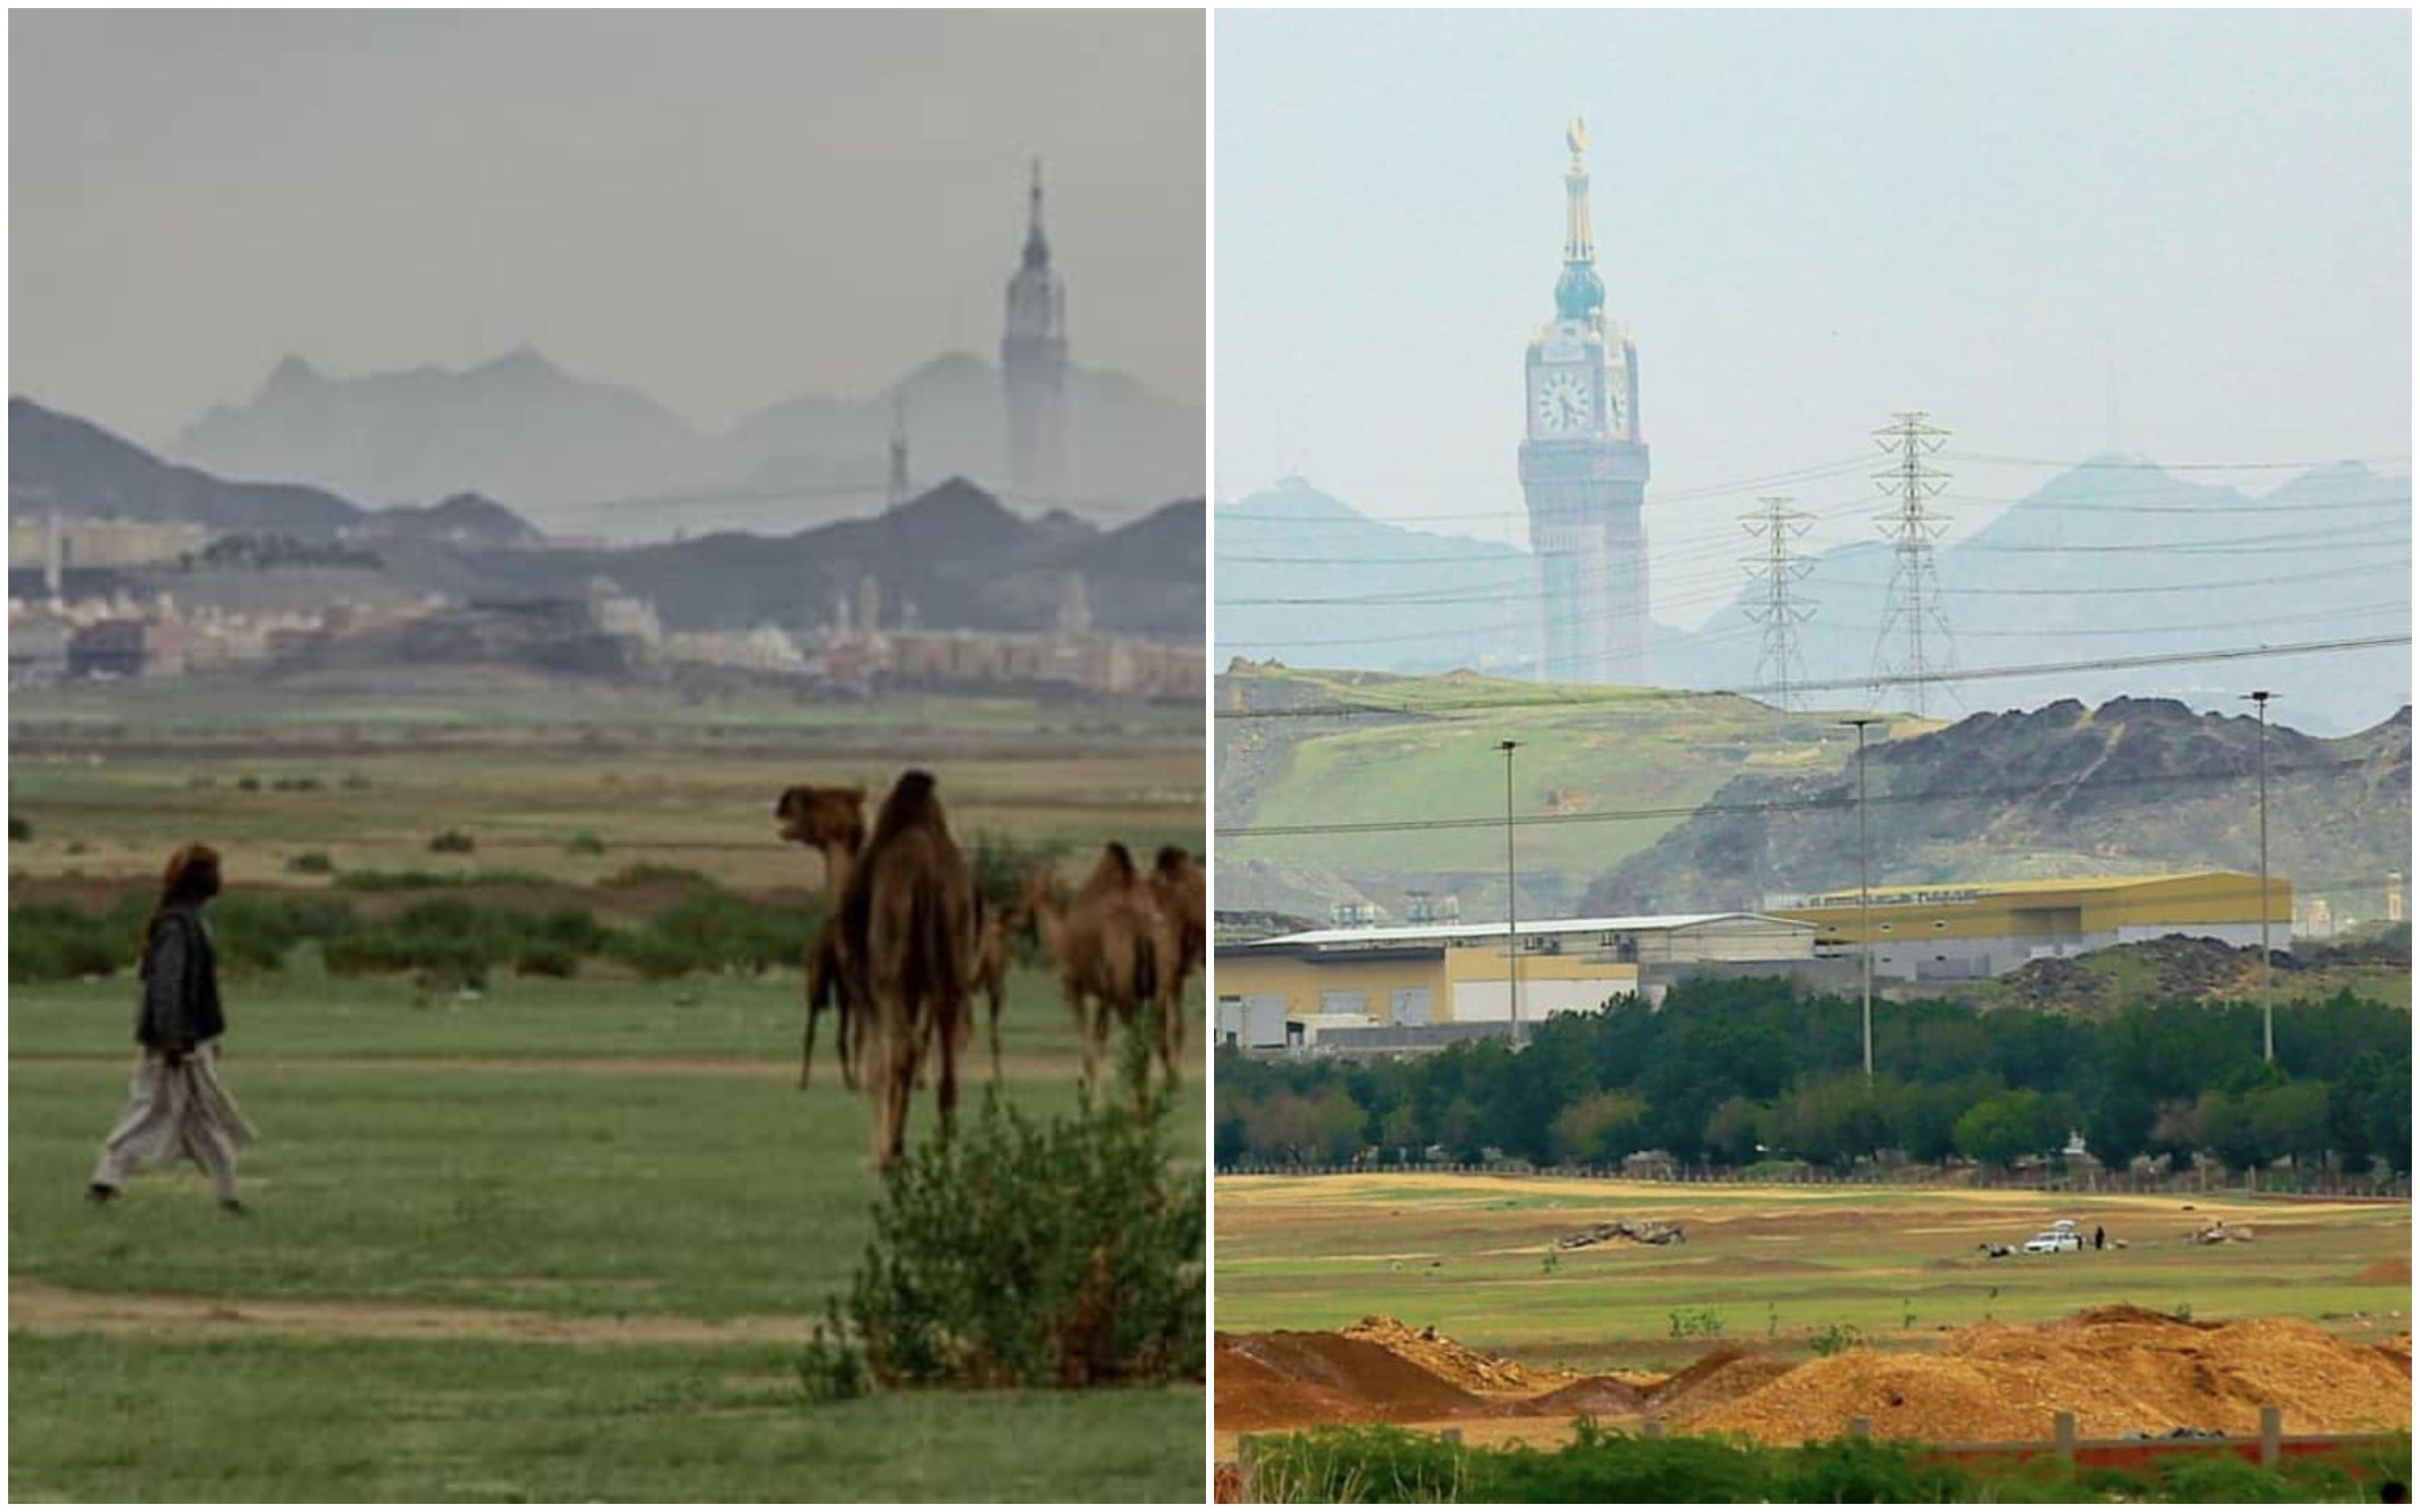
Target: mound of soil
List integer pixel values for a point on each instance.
(1287, 1377)
(1471, 1369)
(1594, 1396)
(2119, 1370)
(2386, 1273)
(1720, 1376)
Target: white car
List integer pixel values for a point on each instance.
(2052, 1241)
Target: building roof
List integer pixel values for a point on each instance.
(1625, 924)
(1894, 894)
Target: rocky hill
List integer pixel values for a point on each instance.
(963, 558)
(2136, 785)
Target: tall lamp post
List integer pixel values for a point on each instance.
(1865, 924)
(1512, 895)
(2259, 698)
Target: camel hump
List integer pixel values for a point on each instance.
(1172, 860)
(910, 805)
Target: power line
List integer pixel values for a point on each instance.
(1845, 801)
(2122, 464)
(1571, 699)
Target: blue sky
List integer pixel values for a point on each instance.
(1810, 220)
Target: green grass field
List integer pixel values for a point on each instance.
(594, 1152)
(1777, 1265)
(562, 1241)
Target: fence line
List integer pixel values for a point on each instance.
(2128, 1183)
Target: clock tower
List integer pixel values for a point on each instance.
(1583, 468)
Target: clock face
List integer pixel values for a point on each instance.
(1564, 404)
(1613, 405)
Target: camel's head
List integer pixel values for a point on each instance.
(822, 816)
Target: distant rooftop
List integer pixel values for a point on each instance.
(1885, 892)
(1616, 924)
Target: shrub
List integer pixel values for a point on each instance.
(313, 863)
(585, 843)
(648, 875)
(59, 942)
(1836, 1338)
(544, 959)
(1860, 1470)
(20, 828)
(452, 842)
(253, 931)
(355, 781)
(1061, 1253)
(247, 784)
(721, 930)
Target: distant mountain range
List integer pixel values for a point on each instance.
(584, 458)
(964, 559)
(2113, 559)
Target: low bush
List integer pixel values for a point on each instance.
(311, 863)
(60, 942)
(540, 958)
(585, 843)
(1390, 1464)
(649, 875)
(452, 843)
(20, 828)
(1025, 1254)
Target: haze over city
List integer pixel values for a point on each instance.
(2180, 237)
(723, 211)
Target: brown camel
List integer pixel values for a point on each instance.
(906, 925)
(1116, 951)
(1176, 880)
(832, 821)
(995, 935)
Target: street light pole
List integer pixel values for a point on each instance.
(2260, 696)
(1865, 916)
(1511, 894)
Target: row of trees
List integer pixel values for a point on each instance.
(1727, 1073)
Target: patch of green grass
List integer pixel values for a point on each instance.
(129, 1418)
(693, 1192)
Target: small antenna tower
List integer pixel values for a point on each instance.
(1780, 527)
(1914, 593)
(898, 449)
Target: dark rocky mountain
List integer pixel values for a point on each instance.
(60, 464)
(964, 559)
(2136, 785)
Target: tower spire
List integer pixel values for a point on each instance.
(1579, 293)
(1037, 246)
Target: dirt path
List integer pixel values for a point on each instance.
(971, 1073)
(38, 1307)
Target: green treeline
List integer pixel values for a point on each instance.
(1732, 1073)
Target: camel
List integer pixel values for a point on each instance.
(1176, 879)
(995, 935)
(906, 931)
(831, 821)
(1117, 951)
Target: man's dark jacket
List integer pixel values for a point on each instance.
(180, 983)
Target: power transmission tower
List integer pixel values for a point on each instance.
(898, 451)
(1780, 527)
(1915, 591)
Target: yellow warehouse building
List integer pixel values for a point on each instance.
(1954, 932)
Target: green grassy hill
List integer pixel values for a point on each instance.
(1378, 748)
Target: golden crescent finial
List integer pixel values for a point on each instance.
(1576, 136)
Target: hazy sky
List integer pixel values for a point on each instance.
(723, 210)
(1809, 221)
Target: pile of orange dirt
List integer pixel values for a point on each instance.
(2386, 1272)
(1471, 1369)
(1723, 1375)
(1287, 1379)
(2119, 1370)
(1590, 1396)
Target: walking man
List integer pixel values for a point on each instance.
(174, 1104)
